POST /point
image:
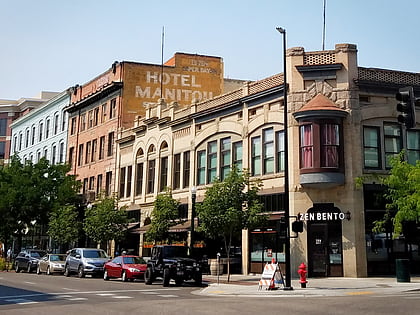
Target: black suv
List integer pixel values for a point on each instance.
(172, 262)
(28, 259)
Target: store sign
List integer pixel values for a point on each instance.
(324, 216)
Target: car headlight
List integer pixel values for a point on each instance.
(134, 269)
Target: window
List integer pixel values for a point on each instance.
(54, 155)
(177, 171)
(280, 151)
(15, 141)
(71, 156)
(110, 143)
(82, 122)
(104, 113)
(330, 142)
(212, 161)
(101, 147)
(38, 156)
(108, 183)
(129, 174)
(201, 167)
(151, 177)
(33, 136)
(47, 129)
(56, 119)
(392, 134)
(139, 179)
(20, 141)
(27, 138)
(63, 121)
(186, 171)
(237, 155)
(61, 158)
(268, 147)
(96, 116)
(80, 158)
(255, 156)
(94, 148)
(90, 119)
(163, 173)
(41, 128)
(88, 152)
(2, 149)
(113, 108)
(85, 185)
(413, 146)
(122, 182)
(99, 184)
(3, 127)
(225, 156)
(306, 146)
(371, 147)
(92, 183)
(73, 126)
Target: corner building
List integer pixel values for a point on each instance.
(342, 124)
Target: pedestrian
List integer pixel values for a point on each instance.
(9, 254)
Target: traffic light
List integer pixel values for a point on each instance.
(297, 226)
(406, 106)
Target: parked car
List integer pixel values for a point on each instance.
(28, 259)
(125, 267)
(85, 261)
(51, 263)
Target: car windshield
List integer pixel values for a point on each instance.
(57, 257)
(134, 260)
(37, 254)
(175, 251)
(94, 254)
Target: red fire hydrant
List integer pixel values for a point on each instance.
(302, 272)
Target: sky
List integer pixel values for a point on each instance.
(51, 45)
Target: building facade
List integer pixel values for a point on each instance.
(342, 124)
(42, 132)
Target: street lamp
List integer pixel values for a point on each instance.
(193, 197)
(288, 285)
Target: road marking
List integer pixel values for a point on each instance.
(105, 294)
(168, 295)
(68, 289)
(122, 297)
(359, 293)
(21, 301)
(29, 282)
(77, 299)
(149, 292)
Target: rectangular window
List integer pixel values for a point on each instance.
(151, 177)
(139, 179)
(129, 175)
(20, 142)
(92, 183)
(88, 152)
(108, 183)
(90, 119)
(186, 170)
(85, 185)
(96, 116)
(53, 155)
(237, 155)
(15, 141)
(101, 147)
(177, 171)
(330, 142)
(99, 184)
(3, 127)
(306, 146)
(110, 143)
(280, 151)
(63, 121)
(73, 126)
(413, 146)
(268, 147)
(163, 173)
(94, 149)
(122, 182)
(201, 167)
(104, 113)
(82, 122)
(80, 158)
(2, 150)
(41, 129)
(27, 138)
(225, 157)
(113, 108)
(255, 156)
(371, 147)
(392, 134)
(33, 135)
(47, 129)
(211, 161)
(56, 118)
(71, 156)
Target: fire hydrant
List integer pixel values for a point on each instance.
(302, 272)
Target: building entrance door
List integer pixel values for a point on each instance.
(318, 253)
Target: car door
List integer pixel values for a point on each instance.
(72, 260)
(115, 268)
(43, 263)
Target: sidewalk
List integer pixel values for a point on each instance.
(247, 286)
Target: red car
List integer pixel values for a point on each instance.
(125, 267)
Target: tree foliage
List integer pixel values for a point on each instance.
(104, 221)
(64, 225)
(165, 211)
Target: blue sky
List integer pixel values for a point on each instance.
(50, 45)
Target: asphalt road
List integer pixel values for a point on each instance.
(40, 294)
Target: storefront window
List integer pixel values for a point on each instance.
(371, 147)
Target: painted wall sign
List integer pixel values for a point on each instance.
(323, 216)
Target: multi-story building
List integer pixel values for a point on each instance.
(11, 110)
(342, 124)
(42, 132)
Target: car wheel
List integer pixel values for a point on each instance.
(17, 269)
(67, 271)
(38, 271)
(166, 277)
(80, 272)
(28, 269)
(148, 276)
(106, 275)
(48, 271)
(124, 276)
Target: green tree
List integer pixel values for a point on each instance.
(403, 194)
(165, 211)
(230, 206)
(104, 221)
(64, 226)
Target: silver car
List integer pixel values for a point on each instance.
(51, 263)
(85, 261)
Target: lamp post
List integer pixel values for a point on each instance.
(288, 285)
(193, 197)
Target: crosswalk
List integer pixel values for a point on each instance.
(84, 296)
